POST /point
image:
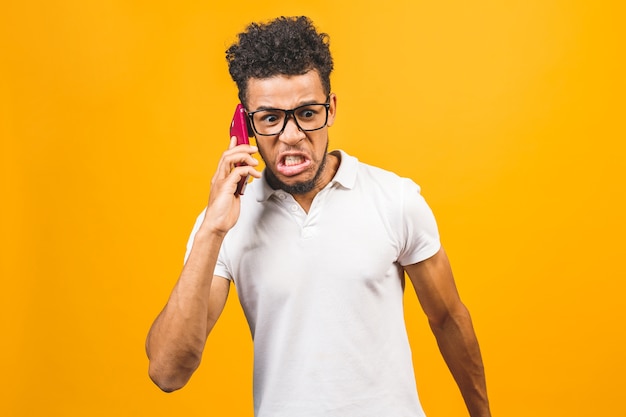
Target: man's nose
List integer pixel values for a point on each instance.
(291, 134)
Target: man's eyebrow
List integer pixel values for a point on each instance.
(267, 108)
(303, 103)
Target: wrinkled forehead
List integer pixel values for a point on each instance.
(284, 91)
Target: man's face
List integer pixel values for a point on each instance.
(295, 159)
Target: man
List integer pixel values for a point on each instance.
(317, 248)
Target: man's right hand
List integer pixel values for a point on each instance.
(224, 204)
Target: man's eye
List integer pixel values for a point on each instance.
(269, 118)
(306, 114)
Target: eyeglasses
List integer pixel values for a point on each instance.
(272, 122)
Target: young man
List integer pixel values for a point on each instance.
(317, 248)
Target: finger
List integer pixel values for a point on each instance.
(244, 171)
(241, 154)
(233, 161)
(223, 166)
(253, 172)
(233, 142)
(229, 158)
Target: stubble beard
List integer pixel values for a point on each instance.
(298, 188)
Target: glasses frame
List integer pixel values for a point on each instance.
(290, 113)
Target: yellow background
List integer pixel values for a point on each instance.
(510, 114)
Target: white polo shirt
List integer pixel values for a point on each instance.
(322, 293)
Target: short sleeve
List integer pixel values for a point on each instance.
(420, 235)
(220, 267)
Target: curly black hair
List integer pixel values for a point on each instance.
(283, 46)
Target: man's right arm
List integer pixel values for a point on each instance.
(177, 337)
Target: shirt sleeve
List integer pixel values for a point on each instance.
(420, 235)
(220, 267)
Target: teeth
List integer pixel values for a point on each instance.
(293, 160)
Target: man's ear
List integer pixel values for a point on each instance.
(332, 110)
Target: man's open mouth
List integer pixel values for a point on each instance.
(290, 165)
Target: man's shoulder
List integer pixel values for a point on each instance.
(366, 173)
(374, 184)
(374, 174)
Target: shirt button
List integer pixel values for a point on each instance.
(282, 196)
(294, 208)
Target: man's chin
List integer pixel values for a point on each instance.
(294, 188)
(299, 187)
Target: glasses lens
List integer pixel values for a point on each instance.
(308, 117)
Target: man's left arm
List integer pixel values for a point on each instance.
(451, 324)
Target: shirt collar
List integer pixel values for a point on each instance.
(344, 177)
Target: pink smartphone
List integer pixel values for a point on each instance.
(239, 129)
